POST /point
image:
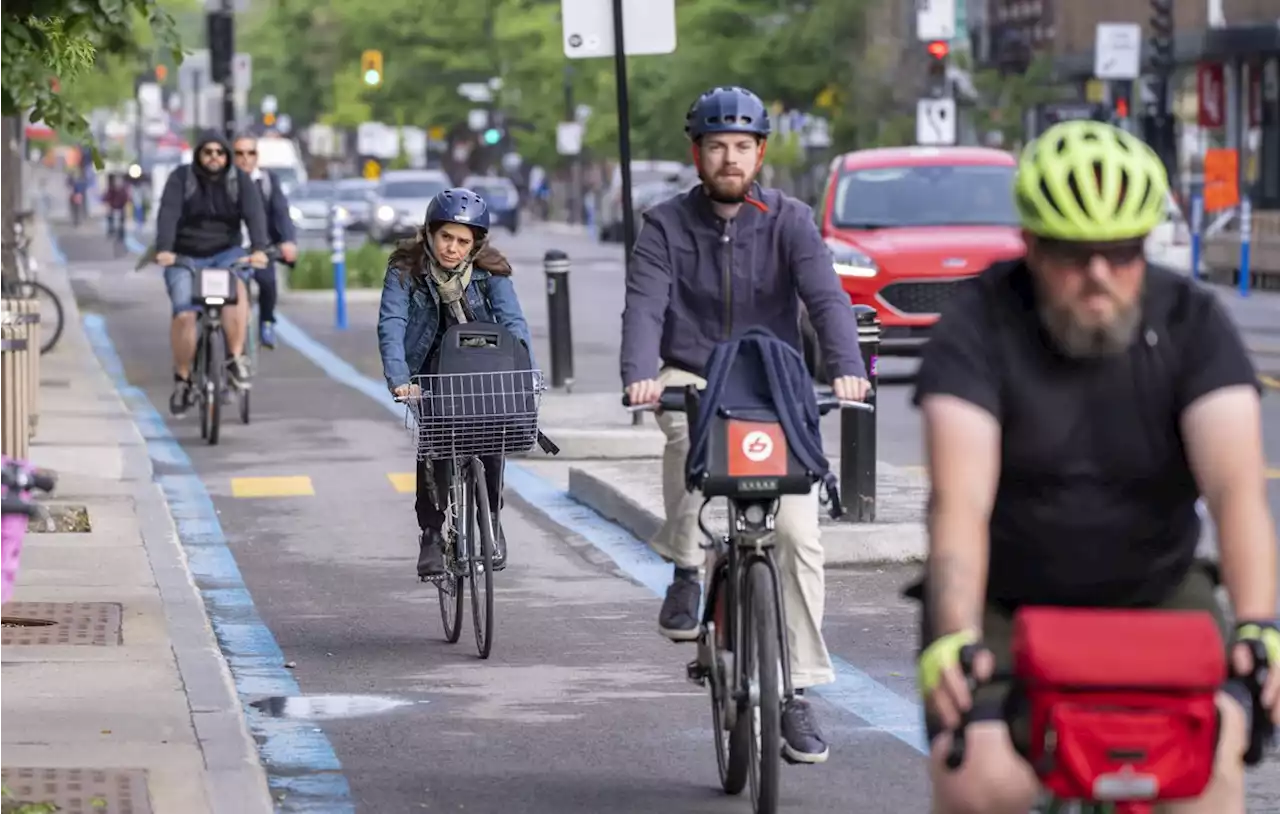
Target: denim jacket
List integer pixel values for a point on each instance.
(409, 316)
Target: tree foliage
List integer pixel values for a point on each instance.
(50, 45)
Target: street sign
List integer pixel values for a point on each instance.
(569, 138)
(269, 104)
(1210, 81)
(477, 119)
(935, 20)
(936, 122)
(649, 27)
(284, 123)
(478, 92)
(242, 71)
(372, 170)
(1117, 51)
(436, 133)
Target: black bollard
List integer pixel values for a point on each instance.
(559, 330)
(858, 431)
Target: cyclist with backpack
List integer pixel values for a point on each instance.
(279, 227)
(446, 274)
(1077, 402)
(707, 265)
(198, 226)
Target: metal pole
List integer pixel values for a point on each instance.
(575, 162)
(559, 322)
(858, 430)
(339, 257)
(229, 86)
(624, 129)
(1197, 231)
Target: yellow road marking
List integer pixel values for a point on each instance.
(286, 486)
(1270, 382)
(404, 482)
(1273, 474)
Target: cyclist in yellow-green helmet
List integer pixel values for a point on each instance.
(1077, 403)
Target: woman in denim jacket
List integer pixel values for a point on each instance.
(447, 266)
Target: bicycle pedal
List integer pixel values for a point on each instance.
(696, 672)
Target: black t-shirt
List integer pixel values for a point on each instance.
(1096, 499)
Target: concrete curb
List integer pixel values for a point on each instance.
(235, 781)
(327, 295)
(601, 444)
(845, 543)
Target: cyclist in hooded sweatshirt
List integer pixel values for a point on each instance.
(198, 227)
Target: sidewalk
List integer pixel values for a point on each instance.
(126, 703)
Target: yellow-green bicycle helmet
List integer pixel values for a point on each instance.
(1091, 182)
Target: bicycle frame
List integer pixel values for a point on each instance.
(747, 543)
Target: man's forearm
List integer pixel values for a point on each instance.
(1247, 547)
(956, 571)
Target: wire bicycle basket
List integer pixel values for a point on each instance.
(460, 415)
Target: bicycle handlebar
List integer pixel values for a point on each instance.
(1246, 690)
(673, 400)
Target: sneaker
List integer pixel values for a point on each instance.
(430, 554)
(267, 333)
(802, 741)
(499, 546)
(180, 398)
(238, 370)
(678, 619)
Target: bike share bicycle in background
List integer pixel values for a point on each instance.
(25, 285)
(19, 481)
(743, 653)
(482, 401)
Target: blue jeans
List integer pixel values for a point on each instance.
(180, 278)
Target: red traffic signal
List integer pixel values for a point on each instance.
(1122, 108)
(938, 49)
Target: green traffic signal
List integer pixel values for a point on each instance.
(372, 77)
(492, 135)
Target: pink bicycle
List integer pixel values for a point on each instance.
(20, 480)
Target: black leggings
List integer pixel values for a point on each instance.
(427, 506)
(266, 278)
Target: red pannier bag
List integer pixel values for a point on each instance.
(1121, 702)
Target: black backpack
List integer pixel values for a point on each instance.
(757, 427)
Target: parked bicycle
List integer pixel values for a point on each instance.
(25, 285)
(19, 481)
(460, 417)
(743, 655)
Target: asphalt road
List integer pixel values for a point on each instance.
(582, 706)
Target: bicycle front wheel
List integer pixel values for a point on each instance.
(481, 552)
(215, 371)
(761, 647)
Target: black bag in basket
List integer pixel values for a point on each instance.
(485, 385)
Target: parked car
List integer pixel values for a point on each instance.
(309, 206)
(905, 224)
(400, 202)
(648, 174)
(355, 196)
(502, 197)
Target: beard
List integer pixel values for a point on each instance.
(1079, 339)
(728, 188)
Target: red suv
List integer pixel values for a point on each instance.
(905, 224)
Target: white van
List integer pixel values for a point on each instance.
(281, 156)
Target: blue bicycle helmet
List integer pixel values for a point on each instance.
(727, 110)
(459, 205)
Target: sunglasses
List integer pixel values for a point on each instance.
(246, 153)
(1120, 253)
(213, 151)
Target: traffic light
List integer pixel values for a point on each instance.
(269, 119)
(222, 44)
(938, 51)
(371, 68)
(162, 73)
(1161, 41)
(492, 136)
(1121, 101)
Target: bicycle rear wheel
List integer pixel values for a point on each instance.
(51, 313)
(762, 651)
(481, 564)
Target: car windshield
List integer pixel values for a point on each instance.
(929, 195)
(412, 189)
(288, 176)
(493, 193)
(353, 193)
(313, 192)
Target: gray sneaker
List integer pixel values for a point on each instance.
(238, 371)
(802, 740)
(678, 619)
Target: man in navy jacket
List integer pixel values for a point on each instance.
(279, 227)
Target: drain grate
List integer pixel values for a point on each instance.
(82, 791)
(93, 623)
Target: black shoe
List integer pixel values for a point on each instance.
(430, 554)
(802, 741)
(678, 619)
(180, 398)
(499, 546)
(238, 374)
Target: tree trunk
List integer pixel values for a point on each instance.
(10, 192)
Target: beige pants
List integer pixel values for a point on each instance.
(799, 550)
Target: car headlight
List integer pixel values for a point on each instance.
(341, 213)
(386, 213)
(849, 262)
(295, 213)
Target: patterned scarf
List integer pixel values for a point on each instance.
(451, 284)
